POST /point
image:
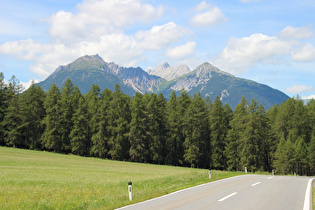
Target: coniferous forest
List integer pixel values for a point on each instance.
(183, 131)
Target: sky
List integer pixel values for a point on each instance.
(269, 41)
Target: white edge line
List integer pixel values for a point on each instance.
(255, 184)
(208, 183)
(226, 197)
(307, 202)
(270, 177)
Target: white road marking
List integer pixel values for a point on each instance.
(307, 202)
(226, 197)
(270, 177)
(255, 184)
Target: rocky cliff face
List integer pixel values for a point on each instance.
(169, 73)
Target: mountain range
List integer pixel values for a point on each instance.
(206, 79)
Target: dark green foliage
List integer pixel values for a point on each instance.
(173, 141)
(311, 157)
(184, 131)
(93, 102)
(79, 141)
(156, 124)
(3, 106)
(235, 135)
(52, 138)
(137, 136)
(218, 131)
(68, 108)
(13, 121)
(34, 112)
(99, 123)
(197, 141)
(119, 117)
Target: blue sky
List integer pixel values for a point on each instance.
(271, 42)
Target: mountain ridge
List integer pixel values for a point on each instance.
(205, 78)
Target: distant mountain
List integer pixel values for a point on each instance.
(89, 70)
(169, 73)
(206, 79)
(211, 81)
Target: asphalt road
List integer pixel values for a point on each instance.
(241, 192)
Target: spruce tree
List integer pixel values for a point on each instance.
(79, 134)
(173, 141)
(68, 108)
(119, 117)
(52, 137)
(183, 102)
(3, 106)
(137, 136)
(14, 118)
(93, 102)
(218, 131)
(311, 156)
(253, 144)
(197, 143)
(273, 139)
(101, 133)
(235, 135)
(33, 99)
(156, 127)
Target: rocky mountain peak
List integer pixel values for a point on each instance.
(168, 72)
(207, 67)
(165, 65)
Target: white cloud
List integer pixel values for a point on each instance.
(202, 6)
(181, 51)
(97, 27)
(23, 49)
(98, 17)
(296, 89)
(309, 97)
(118, 47)
(304, 54)
(26, 85)
(241, 53)
(212, 16)
(296, 33)
(161, 36)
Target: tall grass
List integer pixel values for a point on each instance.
(44, 180)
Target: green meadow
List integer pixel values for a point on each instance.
(45, 180)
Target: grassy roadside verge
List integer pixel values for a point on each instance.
(313, 193)
(44, 180)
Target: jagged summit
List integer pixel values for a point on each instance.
(208, 68)
(169, 73)
(165, 65)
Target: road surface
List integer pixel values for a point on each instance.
(241, 192)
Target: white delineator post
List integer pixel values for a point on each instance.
(209, 173)
(130, 190)
(245, 169)
(273, 172)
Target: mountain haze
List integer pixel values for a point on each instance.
(206, 79)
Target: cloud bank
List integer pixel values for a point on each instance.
(242, 54)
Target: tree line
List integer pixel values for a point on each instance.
(183, 131)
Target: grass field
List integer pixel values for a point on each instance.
(45, 180)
